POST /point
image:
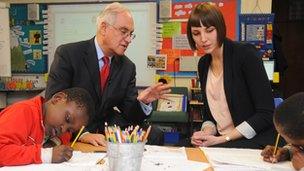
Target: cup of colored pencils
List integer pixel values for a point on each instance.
(125, 147)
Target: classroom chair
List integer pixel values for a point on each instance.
(174, 124)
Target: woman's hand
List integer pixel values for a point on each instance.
(196, 138)
(204, 139)
(211, 140)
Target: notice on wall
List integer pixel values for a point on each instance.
(5, 57)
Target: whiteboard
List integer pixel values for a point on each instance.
(77, 22)
(5, 52)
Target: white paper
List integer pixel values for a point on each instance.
(169, 164)
(53, 167)
(169, 159)
(165, 152)
(155, 158)
(87, 159)
(79, 162)
(180, 42)
(229, 158)
(28, 51)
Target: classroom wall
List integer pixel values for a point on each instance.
(61, 1)
(247, 6)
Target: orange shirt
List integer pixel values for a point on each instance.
(21, 133)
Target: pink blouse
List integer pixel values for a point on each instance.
(217, 103)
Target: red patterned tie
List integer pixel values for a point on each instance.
(104, 72)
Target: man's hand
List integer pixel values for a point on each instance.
(281, 155)
(154, 92)
(61, 153)
(94, 139)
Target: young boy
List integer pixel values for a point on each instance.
(289, 122)
(26, 125)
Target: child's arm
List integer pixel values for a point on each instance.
(281, 155)
(297, 158)
(13, 154)
(19, 143)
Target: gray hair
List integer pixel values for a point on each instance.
(110, 12)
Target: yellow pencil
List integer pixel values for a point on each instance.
(147, 134)
(276, 145)
(80, 131)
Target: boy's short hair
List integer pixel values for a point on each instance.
(290, 116)
(208, 15)
(82, 98)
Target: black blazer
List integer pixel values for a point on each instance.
(76, 65)
(246, 86)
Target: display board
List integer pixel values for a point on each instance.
(174, 42)
(257, 29)
(26, 40)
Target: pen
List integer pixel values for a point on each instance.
(80, 131)
(276, 145)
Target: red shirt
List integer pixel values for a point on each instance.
(21, 133)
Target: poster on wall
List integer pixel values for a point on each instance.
(158, 62)
(27, 41)
(175, 43)
(257, 29)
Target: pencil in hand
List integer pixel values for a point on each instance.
(76, 138)
(276, 145)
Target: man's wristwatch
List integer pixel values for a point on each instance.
(227, 138)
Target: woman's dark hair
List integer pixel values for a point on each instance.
(207, 15)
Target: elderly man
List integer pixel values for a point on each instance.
(100, 66)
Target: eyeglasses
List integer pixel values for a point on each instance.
(125, 33)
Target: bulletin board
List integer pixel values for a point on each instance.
(174, 38)
(257, 29)
(27, 41)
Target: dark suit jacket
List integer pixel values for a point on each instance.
(76, 65)
(246, 86)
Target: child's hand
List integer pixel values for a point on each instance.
(62, 153)
(281, 155)
(297, 158)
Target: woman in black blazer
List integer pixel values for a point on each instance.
(238, 102)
